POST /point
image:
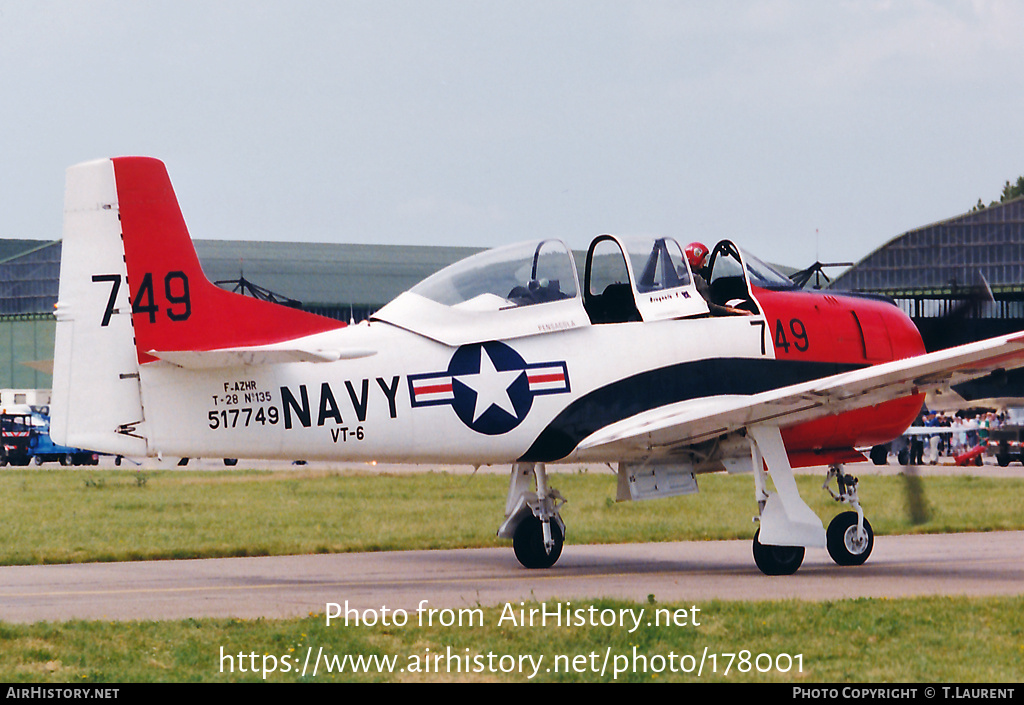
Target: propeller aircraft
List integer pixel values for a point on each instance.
(507, 357)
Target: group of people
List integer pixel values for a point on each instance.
(964, 433)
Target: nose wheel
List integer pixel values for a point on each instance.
(849, 537)
(849, 542)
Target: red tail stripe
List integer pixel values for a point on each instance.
(161, 259)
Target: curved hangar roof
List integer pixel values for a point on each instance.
(947, 256)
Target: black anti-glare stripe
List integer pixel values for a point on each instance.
(667, 385)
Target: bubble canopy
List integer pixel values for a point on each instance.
(533, 288)
(514, 291)
(522, 274)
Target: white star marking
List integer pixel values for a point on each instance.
(491, 387)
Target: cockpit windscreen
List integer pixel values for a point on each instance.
(764, 275)
(517, 275)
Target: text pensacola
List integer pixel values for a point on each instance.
(559, 614)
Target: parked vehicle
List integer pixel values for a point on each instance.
(26, 438)
(14, 438)
(1007, 444)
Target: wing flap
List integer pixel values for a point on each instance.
(694, 421)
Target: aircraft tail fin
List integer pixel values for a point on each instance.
(175, 306)
(131, 284)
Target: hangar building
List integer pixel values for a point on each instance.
(938, 275)
(931, 272)
(959, 280)
(347, 282)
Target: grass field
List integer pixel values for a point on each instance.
(936, 640)
(63, 516)
(86, 515)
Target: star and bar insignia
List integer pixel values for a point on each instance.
(489, 385)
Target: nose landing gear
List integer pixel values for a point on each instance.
(849, 537)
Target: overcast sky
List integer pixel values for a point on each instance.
(459, 122)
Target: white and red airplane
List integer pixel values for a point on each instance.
(506, 357)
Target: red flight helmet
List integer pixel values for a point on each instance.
(697, 254)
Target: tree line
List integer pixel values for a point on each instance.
(1010, 192)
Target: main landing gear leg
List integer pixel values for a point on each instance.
(787, 524)
(532, 520)
(850, 537)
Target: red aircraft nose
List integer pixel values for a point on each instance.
(829, 334)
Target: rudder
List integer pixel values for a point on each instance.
(96, 401)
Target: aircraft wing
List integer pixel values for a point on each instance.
(690, 422)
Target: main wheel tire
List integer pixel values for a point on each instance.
(845, 547)
(777, 560)
(528, 543)
(880, 455)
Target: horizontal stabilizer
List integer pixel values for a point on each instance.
(250, 357)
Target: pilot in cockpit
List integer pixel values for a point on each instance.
(697, 255)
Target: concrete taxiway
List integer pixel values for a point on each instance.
(277, 587)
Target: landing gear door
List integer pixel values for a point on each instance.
(728, 280)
